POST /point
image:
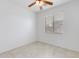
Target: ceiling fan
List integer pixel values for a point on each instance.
(41, 3)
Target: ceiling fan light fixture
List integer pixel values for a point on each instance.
(39, 3)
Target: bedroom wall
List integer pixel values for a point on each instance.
(17, 26)
(70, 39)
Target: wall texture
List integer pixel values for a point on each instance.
(17, 26)
(70, 39)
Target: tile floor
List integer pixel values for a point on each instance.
(39, 50)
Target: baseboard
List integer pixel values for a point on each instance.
(6, 50)
(58, 46)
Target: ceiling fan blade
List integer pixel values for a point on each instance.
(32, 4)
(48, 2)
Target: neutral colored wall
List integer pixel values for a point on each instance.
(70, 39)
(17, 26)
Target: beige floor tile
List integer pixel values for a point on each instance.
(39, 50)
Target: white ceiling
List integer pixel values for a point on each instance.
(35, 8)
